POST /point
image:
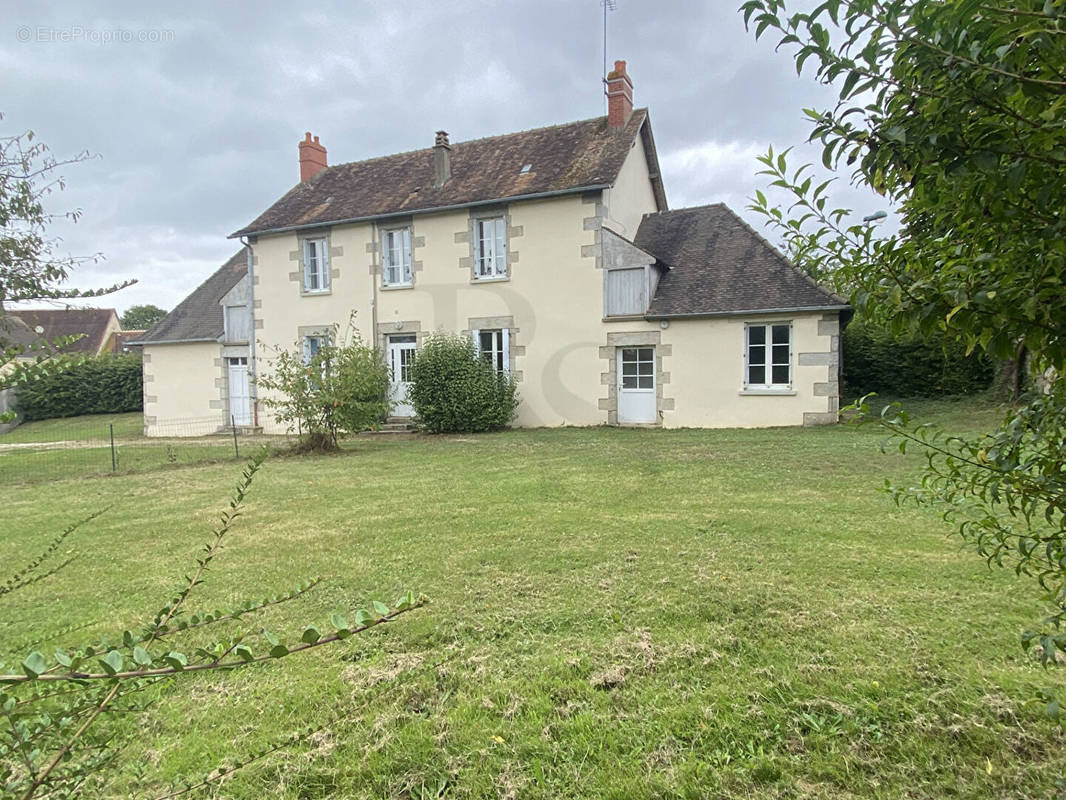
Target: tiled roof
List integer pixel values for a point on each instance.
(199, 316)
(562, 158)
(95, 323)
(719, 265)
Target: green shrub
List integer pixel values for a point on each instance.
(877, 360)
(455, 391)
(99, 385)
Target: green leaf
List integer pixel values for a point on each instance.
(243, 652)
(34, 664)
(63, 658)
(338, 622)
(141, 657)
(363, 618)
(310, 635)
(176, 660)
(279, 651)
(380, 608)
(112, 662)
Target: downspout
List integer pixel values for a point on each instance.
(252, 384)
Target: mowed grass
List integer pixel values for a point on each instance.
(615, 613)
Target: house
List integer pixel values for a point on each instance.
(555, 250)
(196, 377)
(95, 327)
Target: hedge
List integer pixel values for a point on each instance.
(100, 385)
(876, 360)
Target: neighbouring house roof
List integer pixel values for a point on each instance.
(15, 332)
(574, 157)
(198, 318)
(717, 265)
(95, 323)
(124, 341)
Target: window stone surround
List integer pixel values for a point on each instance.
(467, 237)
(407, 327)
(514, 350)
(373, 249)
(297, 255)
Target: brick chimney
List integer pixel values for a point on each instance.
(619, 96)
(312, 157)
(442, 159)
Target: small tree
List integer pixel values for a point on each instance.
(142, 317)
(455, 391)
(341, 388)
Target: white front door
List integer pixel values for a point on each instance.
(401, 354)
(240, 401)
(636, 385)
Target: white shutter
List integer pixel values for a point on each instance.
(406, 255)
(477, 342)
(500, 260)
(505, 335)
(627, 291)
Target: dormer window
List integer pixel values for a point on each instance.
(316, 266)
(490, 247)
(396, 257)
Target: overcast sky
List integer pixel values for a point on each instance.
(195, 111)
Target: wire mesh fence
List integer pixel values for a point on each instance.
(112, 444)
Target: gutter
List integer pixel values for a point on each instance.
(216, 340)
(432, 210)
(747, 312)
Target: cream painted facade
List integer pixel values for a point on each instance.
(181, 389)
(561, 348)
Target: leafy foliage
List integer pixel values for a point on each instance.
(343, 388)
(98, 385)
(453, 390)
(955, 112)
(908, 365)
(58, 742)
(141, 317)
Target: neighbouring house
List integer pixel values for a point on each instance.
(554, 249)
(95, 326)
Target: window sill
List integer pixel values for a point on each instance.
(392, 287)
(623, 318)
(768, 392)
(315, 292)
(492, 279)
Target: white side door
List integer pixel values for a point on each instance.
(401, 354)
(240, 400)
(636, 385)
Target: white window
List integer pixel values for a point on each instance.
(396, 257)
(490, 247)
(311, 346)
(237, 323)
(495, 347)
(638, 367)
(768, 356)
(316, 266)
(626, 293)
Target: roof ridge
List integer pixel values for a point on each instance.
(465, 142)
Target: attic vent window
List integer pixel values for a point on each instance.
(525, 170)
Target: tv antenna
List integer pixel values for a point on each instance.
(608, 5)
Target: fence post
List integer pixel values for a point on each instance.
(114, 464)
(233, 425)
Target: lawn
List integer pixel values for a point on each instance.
(615, 613)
